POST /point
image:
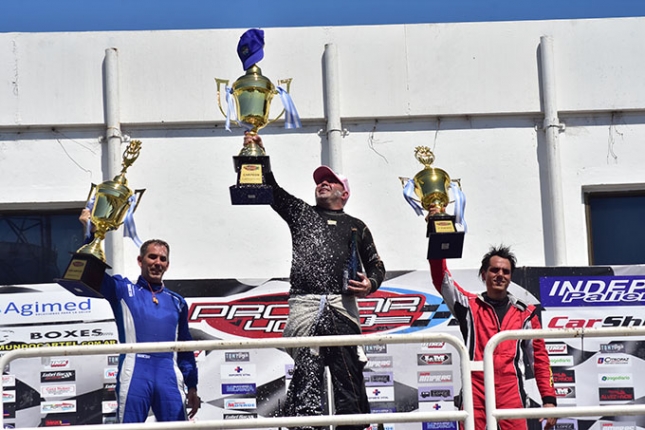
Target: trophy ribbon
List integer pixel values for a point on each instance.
(291, 117)
(129, 228)
(408, 193)
(230, 107)
(460, 204)
(457, 193)
(88, 227)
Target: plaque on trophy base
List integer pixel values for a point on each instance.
(251, 187)
(84, 275)
(444, 241)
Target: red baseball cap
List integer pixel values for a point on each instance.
(324, 171)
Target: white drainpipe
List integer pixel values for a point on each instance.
(113, 240)
(552, 128)
(332, 155)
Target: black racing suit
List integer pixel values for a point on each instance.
(322, 244)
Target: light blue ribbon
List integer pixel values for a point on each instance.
(408, 193)
(89, 206)
(291, 117)
(129, 228)
(231, 113)
(460, 204)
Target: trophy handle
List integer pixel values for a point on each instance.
(89, 195)
(287, 82)
(219, 99)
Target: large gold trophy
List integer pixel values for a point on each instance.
(111, 202)
(249, 104)
(431, 186)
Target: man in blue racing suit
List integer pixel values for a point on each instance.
(146, 311)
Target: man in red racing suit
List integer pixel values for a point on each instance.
(483, 315)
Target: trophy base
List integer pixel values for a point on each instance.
(444, 241)
(84, 275)
(251, 195)
(251, 188)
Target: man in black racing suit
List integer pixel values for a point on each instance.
(329, 249)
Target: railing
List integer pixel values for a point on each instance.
(493, 414)
(465, 415)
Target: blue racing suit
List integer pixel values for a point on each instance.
(150, 313)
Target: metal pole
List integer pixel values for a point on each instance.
(113, 241)
(552, 128)
(332, 108)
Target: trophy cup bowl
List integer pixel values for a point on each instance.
(252, 94)
(431, 185)
(112, 202)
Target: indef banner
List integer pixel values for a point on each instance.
(597, 371)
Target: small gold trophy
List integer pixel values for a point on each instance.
(112, 201)
(431, 186)
(248, 104)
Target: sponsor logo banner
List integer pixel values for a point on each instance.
(566, 424)
(55, 363)
(440, 425)
(112, 360)
(9, 410)
(8, 396)
(433, 346)
(379, 362)
(240, 404)
(592, 291)
(561, 360)
(380, 394)
(621, 379)
(623, 425)
(110, 419)
(375, 349)
(67, 390)
(109, 406)
(434, 359)
(378, 379)
(237, 371)
(557, 348)
(239, 416)
(435, 376)
(288, 370)
(238, 388)
(24, 308)
(237, 356)
(613, 360)
(565, 376)
(431, 394)
(266, 315)
(59, 421)
(612, 347)
(373, 379)
(8, 380)
(615, 394)
(58, 407)
(109, 373)
(565, 392)
(58, 376)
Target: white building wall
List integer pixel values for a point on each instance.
(469, 91)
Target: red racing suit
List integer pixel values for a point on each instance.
(514, 360)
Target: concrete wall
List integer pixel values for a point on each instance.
(469, 91)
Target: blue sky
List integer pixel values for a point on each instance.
(114, 15)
